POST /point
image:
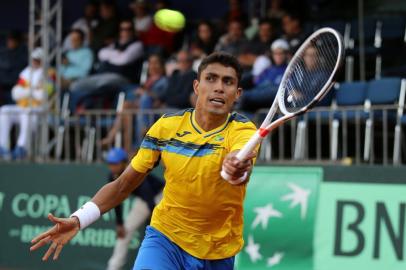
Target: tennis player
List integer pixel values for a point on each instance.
(199, 222)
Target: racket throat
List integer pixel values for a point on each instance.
(263, 132)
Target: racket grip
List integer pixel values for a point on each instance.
(242, 154)
(249, 146)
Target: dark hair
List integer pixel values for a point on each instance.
(15, 35)
(79, 32)
(265, 20)
(222, 58)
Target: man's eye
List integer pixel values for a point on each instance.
(228, 82)
(210, 78)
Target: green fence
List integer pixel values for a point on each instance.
(305, 218)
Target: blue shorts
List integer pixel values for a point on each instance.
(157, 252)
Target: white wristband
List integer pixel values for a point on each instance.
(238, 181)
(87, 214)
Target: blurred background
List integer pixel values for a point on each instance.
(78, 78)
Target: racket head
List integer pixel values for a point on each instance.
(311, 71)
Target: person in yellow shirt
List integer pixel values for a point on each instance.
(199, 222)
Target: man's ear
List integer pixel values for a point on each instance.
(196, 87)
(238, 93)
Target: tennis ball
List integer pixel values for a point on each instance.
(169, 20)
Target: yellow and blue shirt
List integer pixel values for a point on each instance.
(200, 212)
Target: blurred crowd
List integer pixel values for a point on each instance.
(104, 55)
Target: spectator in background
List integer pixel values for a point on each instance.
(147, 195)
(180, 83)
(118, 67)
(30, 96)
(293, 31)
(267, 83)
(276, 10)
(142, 96)
(142, 20)
(254, 62)
(232, 41)
(77, 61)
(266, 34)
(235, 13)
(86, 24)
(157, 40)
(204, 42)
(13, 59)
(106, 30)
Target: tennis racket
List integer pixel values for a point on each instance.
(307, 79)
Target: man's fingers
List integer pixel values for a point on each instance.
(49, 251)
(44, 235)
(54, 219)
(57, 251)
(40, 243)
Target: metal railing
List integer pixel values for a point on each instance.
(350, 135)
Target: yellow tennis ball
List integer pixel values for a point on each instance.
(169, 20)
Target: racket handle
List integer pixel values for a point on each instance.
(242, 154)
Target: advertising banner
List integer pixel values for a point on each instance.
(360, 226)
(29, 192)
(279, 212)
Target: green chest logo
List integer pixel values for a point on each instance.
(218, 138)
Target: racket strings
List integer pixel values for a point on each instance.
(310, 71)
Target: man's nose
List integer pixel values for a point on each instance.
(219, 87)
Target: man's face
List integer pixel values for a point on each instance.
(265, 32)
(235, 30)
(310, 58)
(183, 61)
(76, 40)
(126, 31)
(204, 32)
(279, 56)
(217, 89)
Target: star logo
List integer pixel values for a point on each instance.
(275, 259)
(252, 249)
(298, 196)
(263, 215)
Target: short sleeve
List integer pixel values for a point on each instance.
(241, 134)
(150, 150)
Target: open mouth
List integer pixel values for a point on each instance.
(217, 101)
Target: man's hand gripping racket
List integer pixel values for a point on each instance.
(307, 79)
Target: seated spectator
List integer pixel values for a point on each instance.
(157, 40)
(232, 41)
(293, 31)
(77, 61)
(276, 10)
(266, 34)
(204, 42)
(180, 84)
(105, 33)
(235, 12)
(267, 83)
(154, 86)
(13, 58)
(86, 24)
(142, 20)
(30, 96)
(253, 63)
(118, 65)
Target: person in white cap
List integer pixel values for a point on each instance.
(267, 83)
(30, 98)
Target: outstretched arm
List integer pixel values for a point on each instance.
(106, 198)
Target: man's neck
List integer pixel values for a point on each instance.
(209, 121)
